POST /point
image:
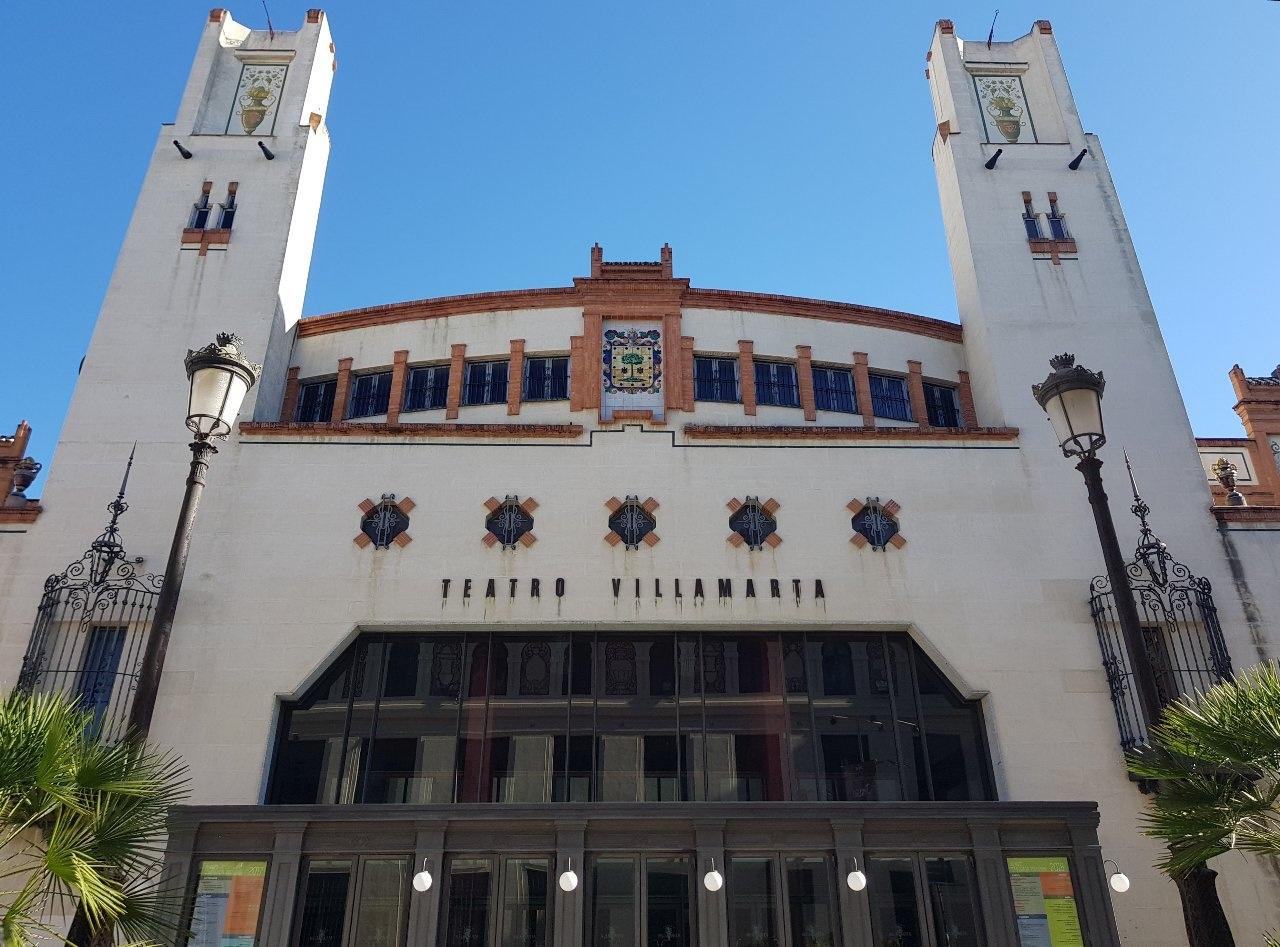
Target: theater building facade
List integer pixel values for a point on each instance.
(634, 612)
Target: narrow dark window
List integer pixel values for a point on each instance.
(370, 395)
(889, 398)
(546, 379)
(228, 216)
(98, 671)
(485, 383)
(428, 388)
(200, 212)
(1057, 225)
(776, 384)
(715, 379)
(943, 409)
(833, 390)
(315, 402)
(1030, 219)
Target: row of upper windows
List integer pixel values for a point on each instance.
(547, 379)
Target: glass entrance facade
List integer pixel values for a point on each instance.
(597, 717)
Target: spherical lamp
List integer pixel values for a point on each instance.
(568, 878)
(713, 880)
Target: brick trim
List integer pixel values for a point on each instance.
(362, 429)
(673, 383)
(289, 407)
(862, 388)
(761, 432)
(1246, 514)
(399, 378)
(747, 375)
(692, 298)
(457, 365)
(592, 340)
(804, 381)
(915, 391)
(341, 390)
(575, 373)
(964, 391)
(515, 377)
(686, 370)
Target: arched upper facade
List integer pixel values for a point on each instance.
(630, 342)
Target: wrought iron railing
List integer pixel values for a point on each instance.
(91, 627)
(1183, 639)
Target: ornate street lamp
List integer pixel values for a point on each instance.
(220, 377)
(1072, 398)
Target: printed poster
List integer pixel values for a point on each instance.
(1045, 902)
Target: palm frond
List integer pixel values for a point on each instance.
(1217, 759)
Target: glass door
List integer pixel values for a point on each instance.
(497, 902)
(923, 901)
(636, 901)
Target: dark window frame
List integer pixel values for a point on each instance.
(888, 405)
(710, 383)
(772, 389)
(940, 411)
(552, 379)
(830, 397)
(490, 389)
(327, 390)
(425, 385)
(370, 394)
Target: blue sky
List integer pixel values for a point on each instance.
(779, 147)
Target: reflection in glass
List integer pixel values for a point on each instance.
(613, 903)
(750, 900)
(953, 901)
(895, 913)
(667, 902)
(380, 909)
(811, 909)
(324, 904)
(467, 906)
(650, 718)
(524, 902)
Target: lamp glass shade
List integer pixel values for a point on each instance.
(568, 880)
(1119, 882)
(217, 392)
(856, 880)
(713, 880)
(422, 880)
(1076, 416)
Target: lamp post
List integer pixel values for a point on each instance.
(220, 377)
(1072, 398)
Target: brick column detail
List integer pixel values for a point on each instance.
(457, 365)
(686, 369)
(515, 376)
(862, 388)
(592, 340)
(804, 381)
(342, 391)
(915, 391)
(399, 378)
(747, 375)
(289, 407)
(577, 372)
(969, 414)
(673, 382)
